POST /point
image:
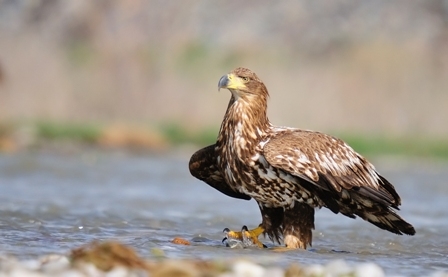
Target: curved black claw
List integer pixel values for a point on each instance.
(225, 231)
(231, 241)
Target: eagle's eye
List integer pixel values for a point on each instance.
(245, 79)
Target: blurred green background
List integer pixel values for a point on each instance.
(145, 73)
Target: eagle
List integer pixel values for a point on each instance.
(289, 172)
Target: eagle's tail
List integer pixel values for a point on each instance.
(387, 219)
(376, 213)
(373, 205)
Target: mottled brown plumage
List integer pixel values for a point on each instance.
(288, 171)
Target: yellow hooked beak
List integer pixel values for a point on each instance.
(230, 81)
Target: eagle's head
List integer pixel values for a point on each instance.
(243, 83)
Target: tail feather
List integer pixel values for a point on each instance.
(377, 213)
(388, 220)
(375, 206)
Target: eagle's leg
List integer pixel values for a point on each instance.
(298, 223)
(272, 220)
(246, 236)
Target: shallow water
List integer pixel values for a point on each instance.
(51, 203)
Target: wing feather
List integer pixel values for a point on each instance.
(203, 166)
(328, 163)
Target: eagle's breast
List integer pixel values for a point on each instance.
(240, 157)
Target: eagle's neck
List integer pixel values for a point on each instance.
(245, 124)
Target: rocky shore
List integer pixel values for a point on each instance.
(115, 259)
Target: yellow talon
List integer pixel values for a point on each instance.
(247, 237)
(233, 234)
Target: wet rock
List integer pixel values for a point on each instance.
(107, 255)
(54, 263)
(338, 268)
(247, 269)
(315, 270)
(175, 269)
(294, 270)
(182, 241)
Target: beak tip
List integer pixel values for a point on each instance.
(223, 82)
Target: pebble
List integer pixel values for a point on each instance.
(338, 268)
(368, 270)
(247, 269)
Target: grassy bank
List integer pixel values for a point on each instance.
(23, 136)
(399, 146)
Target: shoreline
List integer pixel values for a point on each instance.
(116, 259)
(23, 137)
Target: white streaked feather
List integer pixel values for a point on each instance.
(270, 175)
(303, 158)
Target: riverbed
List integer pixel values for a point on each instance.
(52, 202)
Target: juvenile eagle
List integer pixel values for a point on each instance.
(289, 172)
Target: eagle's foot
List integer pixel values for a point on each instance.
(245, 238)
